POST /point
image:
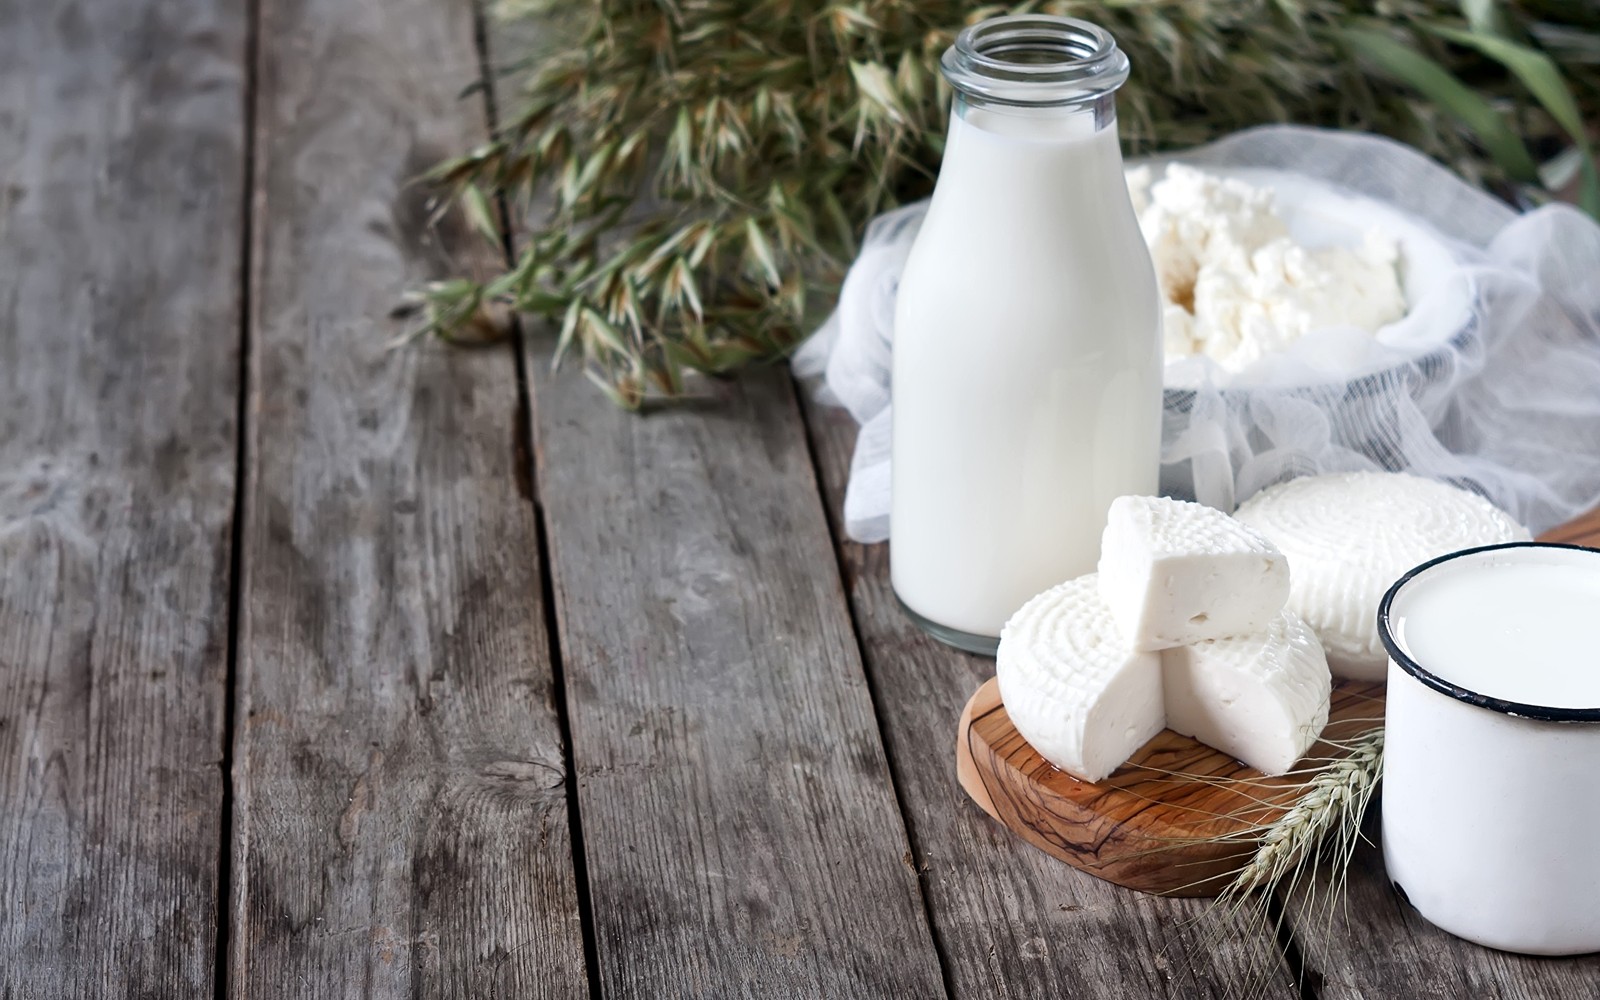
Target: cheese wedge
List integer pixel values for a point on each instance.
(1349, 536)
(1260, 698)
(1174, 572)
(1073, 687)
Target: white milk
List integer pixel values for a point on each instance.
(1027, 367)
(1520, 625)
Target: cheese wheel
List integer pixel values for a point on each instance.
(1073, 686)
(1261, 698)
(1350, 536)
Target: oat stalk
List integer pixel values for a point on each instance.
(689, 177)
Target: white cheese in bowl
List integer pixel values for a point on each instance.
(1174, 572)
(1238, 285)
(1349, 536)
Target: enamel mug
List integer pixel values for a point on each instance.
(1491, 785)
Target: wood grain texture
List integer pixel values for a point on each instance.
(1583, 530)
(1010, 920)
(740, 829)
(401, 825)
(1376, 945)
(1150, 825)
(1418, 960)
(121, 191)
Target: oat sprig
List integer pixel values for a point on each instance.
(690, 177)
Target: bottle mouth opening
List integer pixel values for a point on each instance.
(1035, 60)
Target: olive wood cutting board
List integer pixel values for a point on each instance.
(1154, 824)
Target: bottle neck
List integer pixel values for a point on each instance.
(1036, 64)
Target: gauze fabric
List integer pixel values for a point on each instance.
(1491, 382)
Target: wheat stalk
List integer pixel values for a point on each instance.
(1332, 805)
(1315, 838)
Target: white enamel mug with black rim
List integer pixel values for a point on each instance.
(1491, 808)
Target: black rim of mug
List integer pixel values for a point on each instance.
(1541, 713)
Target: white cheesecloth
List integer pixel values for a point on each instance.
(1491, 381)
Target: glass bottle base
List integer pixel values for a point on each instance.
(983, 645)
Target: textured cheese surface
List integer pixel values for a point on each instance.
(1073, 687)
(1262, 698)
(1174, 572)
(1237, 285)
(1350, 536)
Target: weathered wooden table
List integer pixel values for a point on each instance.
(332, 670)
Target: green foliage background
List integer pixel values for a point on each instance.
(694, 174)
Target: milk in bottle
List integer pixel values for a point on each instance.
(1027, 345)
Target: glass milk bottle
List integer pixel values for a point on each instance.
(1027, 340)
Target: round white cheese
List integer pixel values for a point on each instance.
(1073, 686)
(1261, 698)
(1349, 536)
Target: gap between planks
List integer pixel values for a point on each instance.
(629, 959)
(916, 850)
(230, 694)
(527, 480)
(381, 591)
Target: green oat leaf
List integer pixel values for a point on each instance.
(1434, 82)
(761, 251)
(624, 395)
(1589, 192)
(877, 86)
(569, 329)
(1537, 71)
(479, 212)
(1486, 17)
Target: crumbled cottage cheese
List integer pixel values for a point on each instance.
(1237, 286)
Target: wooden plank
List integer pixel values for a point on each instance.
(1377, 945)
(1011, 921)
(1418, 959)
(740, 830)
(121, 195)
(401, 823)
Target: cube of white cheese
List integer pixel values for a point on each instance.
(1261, 698)
(1174, 572)
(1073, 687)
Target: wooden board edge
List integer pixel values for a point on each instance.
(983, 701)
